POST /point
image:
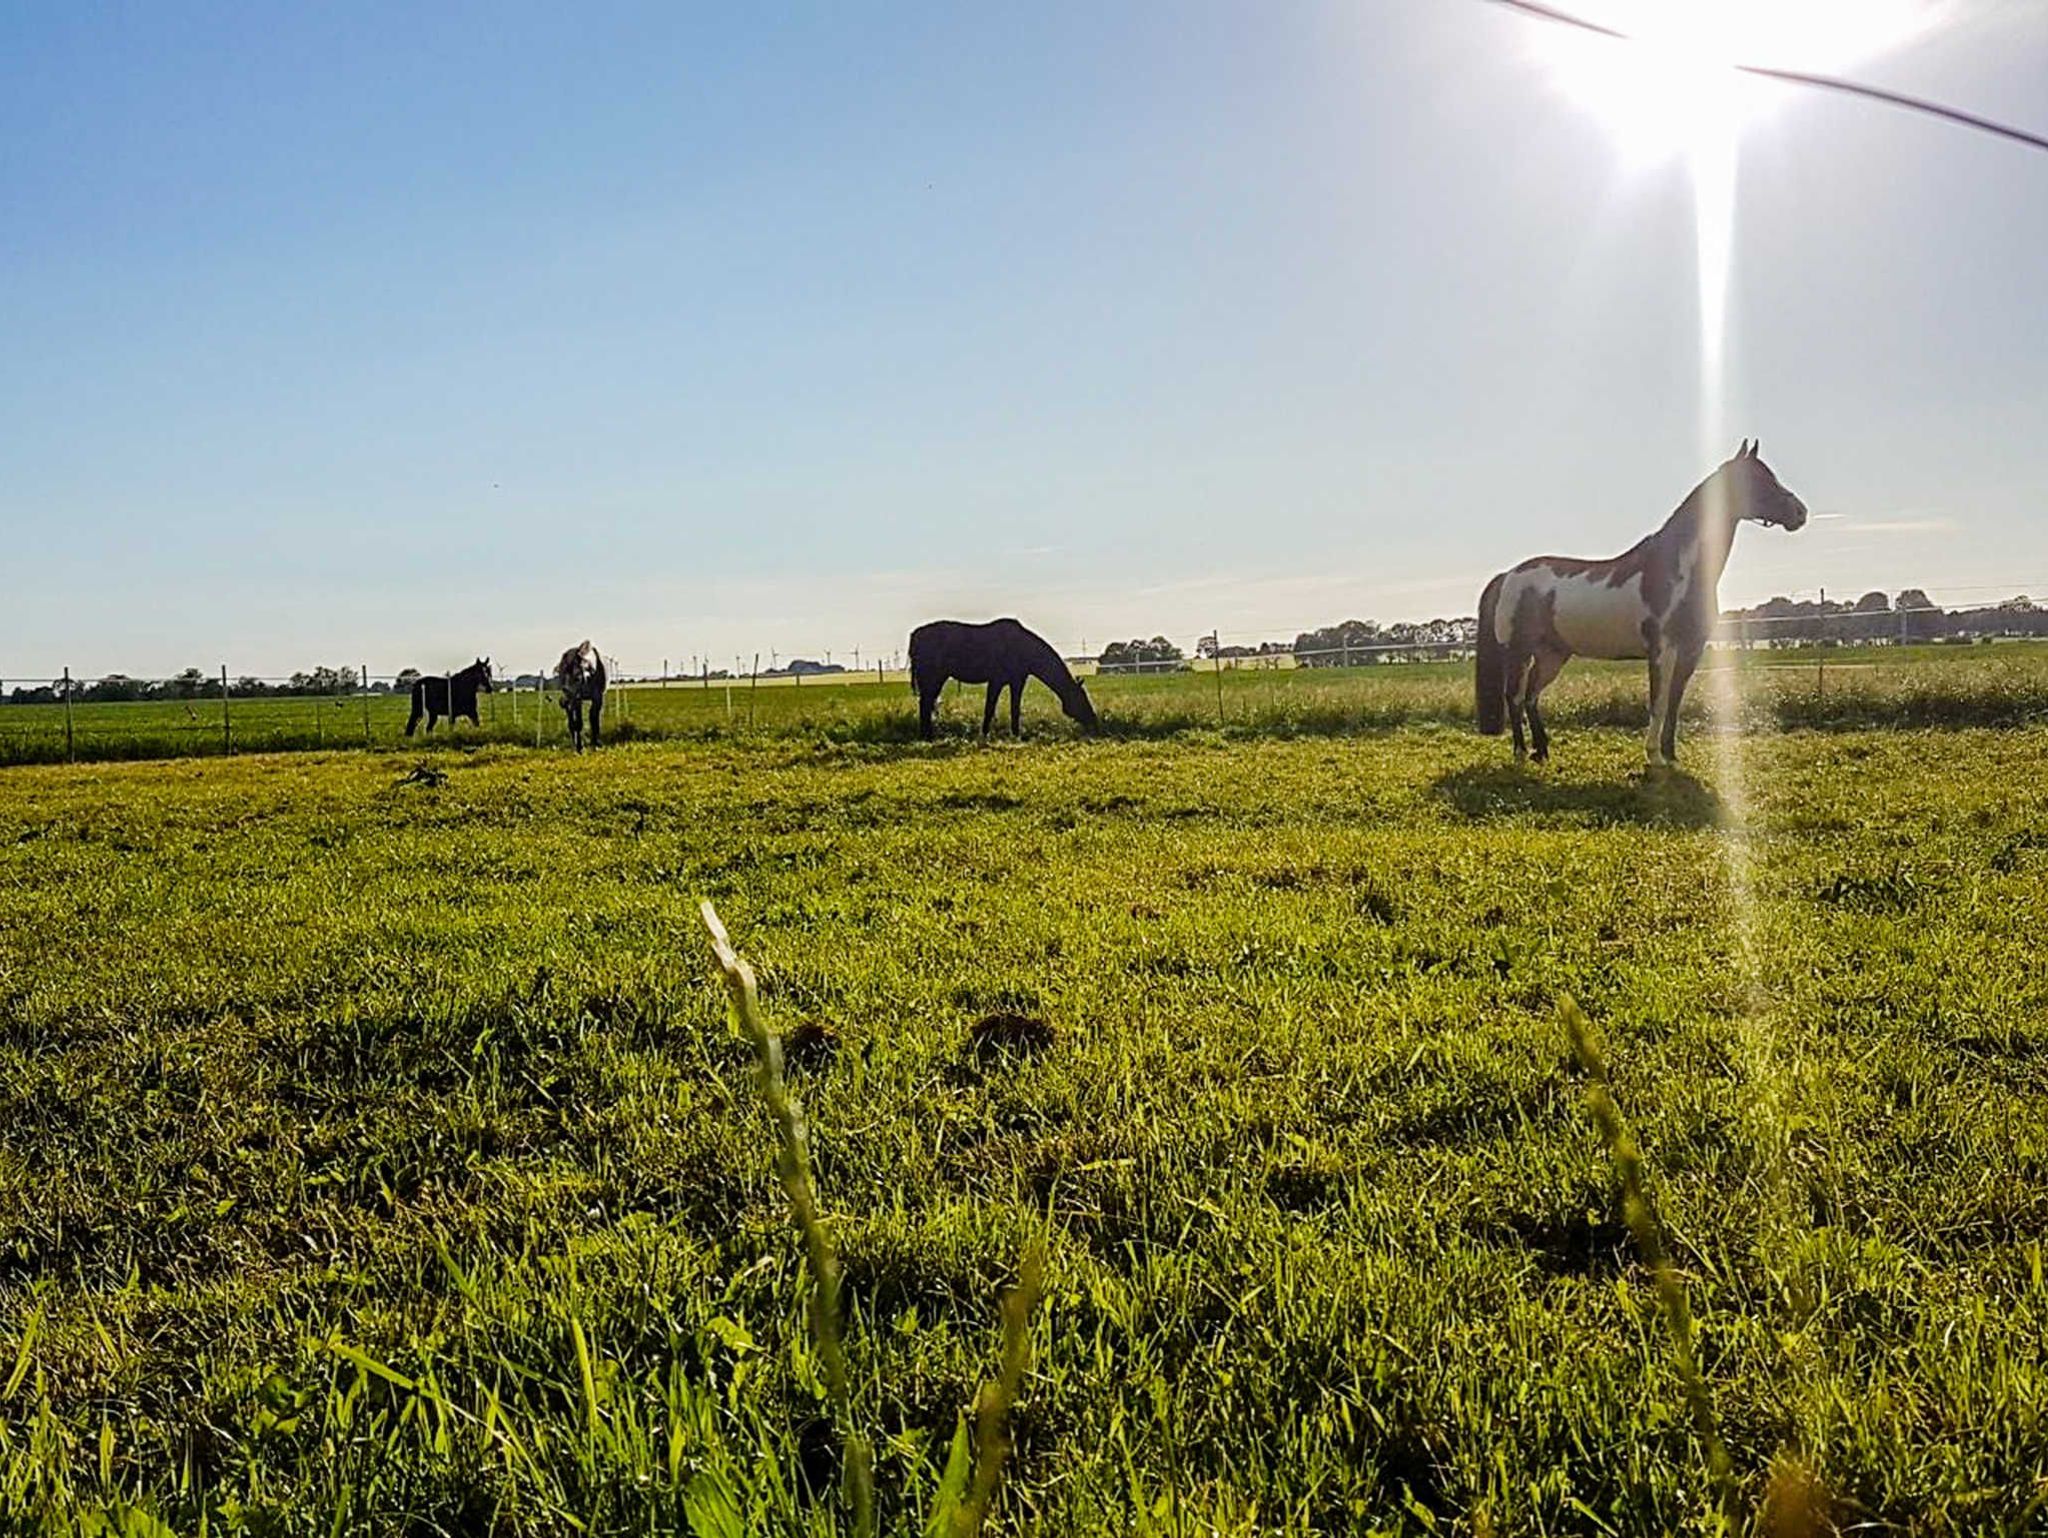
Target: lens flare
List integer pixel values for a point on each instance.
(1670, 91)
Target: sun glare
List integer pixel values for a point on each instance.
(1671, 91)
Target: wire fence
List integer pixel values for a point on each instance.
(221, 712)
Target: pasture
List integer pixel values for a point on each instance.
(379, 1156)
(2001, 685)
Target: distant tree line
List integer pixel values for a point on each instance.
(1153, 656)
(192, 684)
(1877, 619)
(1874, 618)
(1358, 641)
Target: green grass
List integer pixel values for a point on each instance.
(379, 1155)
(1844, 688)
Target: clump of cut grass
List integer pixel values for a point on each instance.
(1007, 1032)
(970, 1479)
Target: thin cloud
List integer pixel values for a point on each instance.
(1895, 525)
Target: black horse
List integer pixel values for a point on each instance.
(449, 694)
(580, 675)
(1001, 654)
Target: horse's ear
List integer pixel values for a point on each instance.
(1755, 447)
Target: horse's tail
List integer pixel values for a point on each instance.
(1490, 665)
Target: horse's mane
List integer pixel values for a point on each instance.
(1683, 526)
(1045, 660)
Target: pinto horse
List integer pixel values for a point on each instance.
(580, 675)
(1001, 654)
(1658, 600)
(449, 694)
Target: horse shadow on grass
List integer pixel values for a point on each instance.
(1664, 798)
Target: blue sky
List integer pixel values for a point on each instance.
(395, 334)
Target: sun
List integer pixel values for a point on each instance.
(1670, 93)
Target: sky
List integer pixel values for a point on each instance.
(397, 334)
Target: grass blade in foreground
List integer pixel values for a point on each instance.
(793, 1164)
(1648, 1232)
(963, 1502)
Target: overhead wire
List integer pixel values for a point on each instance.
(1801, 77)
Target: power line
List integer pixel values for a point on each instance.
(1802, 77)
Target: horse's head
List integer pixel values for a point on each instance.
(1075, 703)
(1757, 494)
(482, 668)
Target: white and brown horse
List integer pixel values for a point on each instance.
(1659, 600)
(581, 678)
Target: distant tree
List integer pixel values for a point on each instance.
(407, 677)
(1919, 618)
(115, 688)
(323, 681)
(1135, 656)
(1873, 603)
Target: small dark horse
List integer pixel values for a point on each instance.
(580, 674)
(1001, 654)
(449, 694)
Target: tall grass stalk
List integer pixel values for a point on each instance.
(992, 1406)
(793, 1165)
(1648, 1231)
(963, 1498)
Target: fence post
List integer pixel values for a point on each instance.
(538, 685)
(70, 749)
(1216, 661)
(227, 731)
(1821, 651)
(365, 667)
(753, 683)
(320, 720)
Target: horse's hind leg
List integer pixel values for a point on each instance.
(1017, 709)
(988, 709)
(1517, 691)
(1546, 667)
(413, 720)
(927, 698)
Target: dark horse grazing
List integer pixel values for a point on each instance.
(1001, 654)
(449, 694)
(580, 674)
(1658, 600)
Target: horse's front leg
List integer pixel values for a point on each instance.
(1681, 666)
(1663, 669)
(597, 721)
(988, 709)
(574, 711)
(1017, 708)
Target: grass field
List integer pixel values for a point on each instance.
(378, 1156)
(1845, 687)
